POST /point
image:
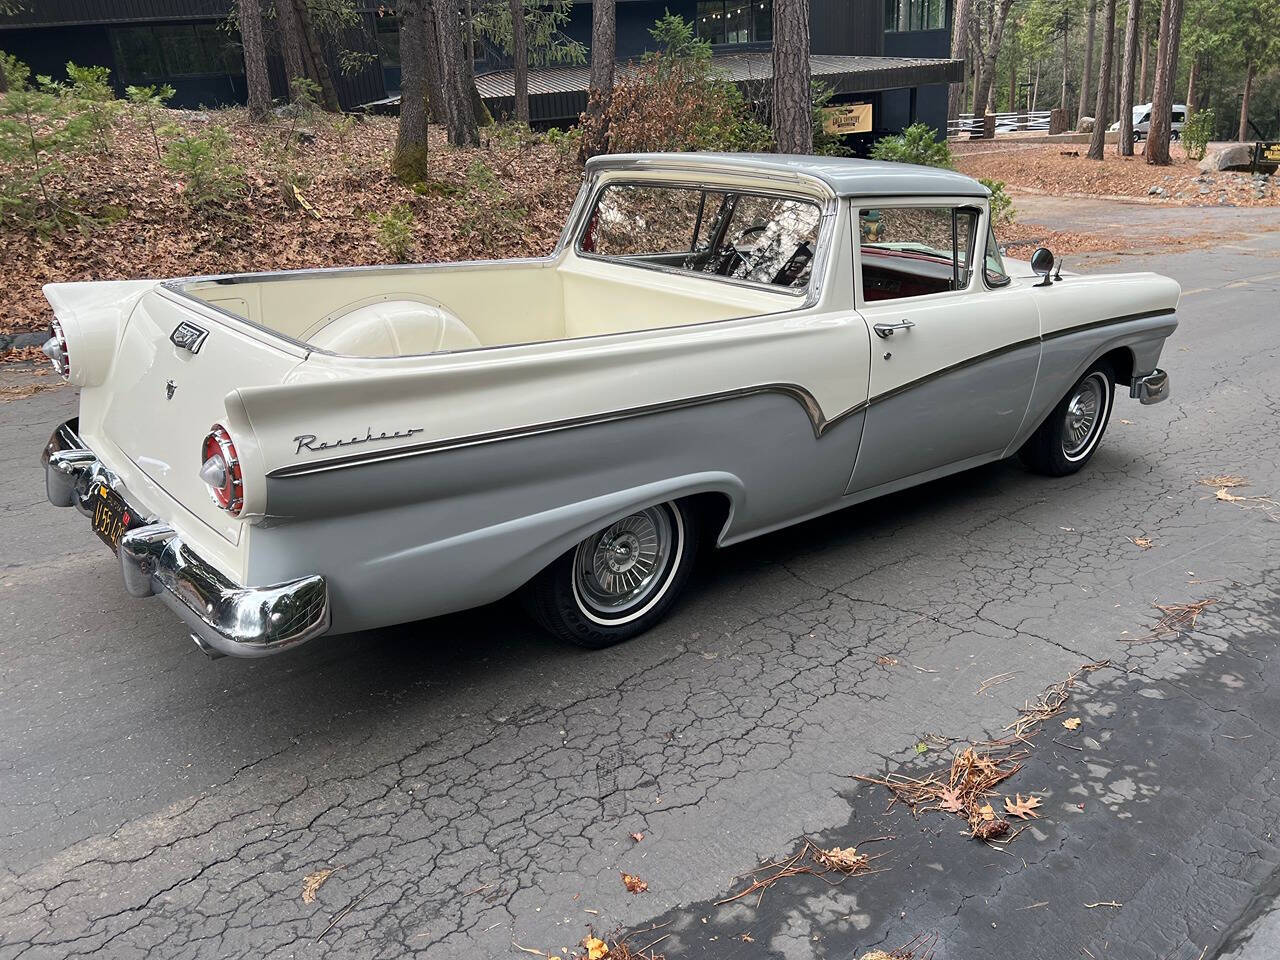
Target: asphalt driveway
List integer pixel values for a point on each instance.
(472, 784)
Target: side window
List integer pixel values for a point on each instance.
(915, 251)
(994, 265)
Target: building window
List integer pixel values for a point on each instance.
(902, 16)
(148, 54)
(735, 21)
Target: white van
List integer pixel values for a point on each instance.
(1142, 120)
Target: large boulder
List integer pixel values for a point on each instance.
(1085, 125)
(1227, 156)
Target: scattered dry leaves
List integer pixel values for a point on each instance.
(634, 884)
(312, 883)
(1224, 480)
(1071, 723)
(810, 859)
(22, 391)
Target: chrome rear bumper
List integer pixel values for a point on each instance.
(225, 619)
(1152, 388)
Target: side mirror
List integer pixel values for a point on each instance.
(1042, 265)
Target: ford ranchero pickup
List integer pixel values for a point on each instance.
(718, 346)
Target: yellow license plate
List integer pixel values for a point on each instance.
(111, 516)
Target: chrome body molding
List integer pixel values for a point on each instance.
(1152, 388)
(818, 419)
(225, 619)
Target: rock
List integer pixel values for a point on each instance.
(1085, 125)
(305, 136)
(1155, 192)
(1230, 156)
(1204, 190)
(200, 117)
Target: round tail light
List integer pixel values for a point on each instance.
(55, 348)
(220, 470)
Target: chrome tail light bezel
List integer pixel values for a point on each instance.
(229, 495)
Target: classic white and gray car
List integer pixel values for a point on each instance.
(719, 346)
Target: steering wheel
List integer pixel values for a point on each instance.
(732, 257)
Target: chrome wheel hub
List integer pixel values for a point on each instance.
(624, 565)
(1084, 415)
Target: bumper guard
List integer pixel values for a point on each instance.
(1152, 388)
(224, 619)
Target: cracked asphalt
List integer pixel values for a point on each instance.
(473, 784)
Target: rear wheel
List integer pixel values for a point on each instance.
(618, 582)
(1070, 434)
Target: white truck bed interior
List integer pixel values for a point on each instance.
(407, 311)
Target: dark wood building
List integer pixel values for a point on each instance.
(890, 54)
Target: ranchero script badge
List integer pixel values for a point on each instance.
(307, 441)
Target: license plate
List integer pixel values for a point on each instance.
(111, 516)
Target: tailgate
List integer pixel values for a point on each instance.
(159, 400)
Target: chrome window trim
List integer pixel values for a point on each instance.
(810, 293)
(955, 201)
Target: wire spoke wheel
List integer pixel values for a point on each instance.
(619, 571)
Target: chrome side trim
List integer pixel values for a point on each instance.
(225, 619)
(820, 423)
(1152, 388)
(818, 420)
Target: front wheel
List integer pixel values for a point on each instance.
(618, 582)
(1070, 434)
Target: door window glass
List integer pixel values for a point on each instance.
(915, 251)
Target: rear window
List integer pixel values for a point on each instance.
(755, 237)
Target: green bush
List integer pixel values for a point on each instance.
(42, 128)
(395, 232)
(917, 144)
(1001, 203)
(1197, 132)
(149, 104)
(210, 178)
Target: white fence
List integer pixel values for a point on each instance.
(971, 124)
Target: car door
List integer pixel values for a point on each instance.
(954, 350)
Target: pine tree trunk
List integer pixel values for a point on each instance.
(1146, 45)
(1099, 138)
(291, 42)
(255, 60)
(984, 92)
(319, 66)
(1156, 150)
(410, 160)
(435, 68)
(1066, 29)
(604, 45)
(959, 49)
(520, 61)
(460, 115)
(1086, 76)
(792, 99)
(1249, 74)
(1126, 77)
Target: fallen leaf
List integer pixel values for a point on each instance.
(637, 837)
(634, 884)
(1145, 543)
(1023, 808)
(312, 883)
(987, 812)
(746, 938)
(1071, 723)
(887, 661)
(949, 800)
(1126, 422)
(596, 948)
(922, 747)
(844, 859)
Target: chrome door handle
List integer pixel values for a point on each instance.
(885, 330)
